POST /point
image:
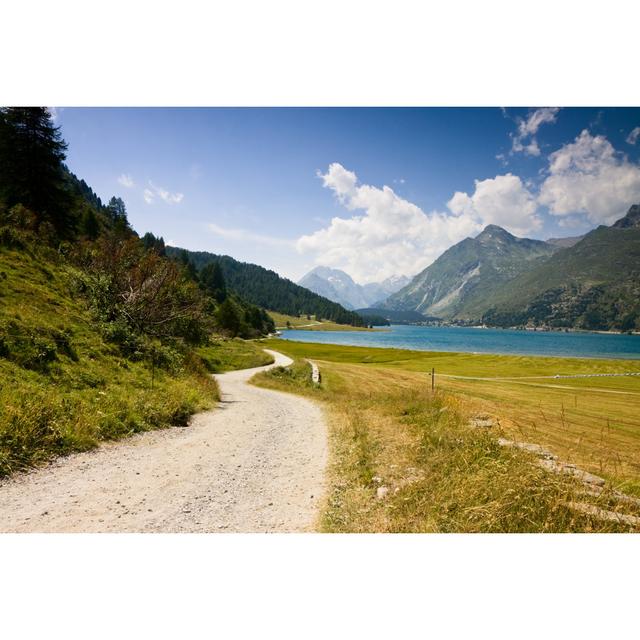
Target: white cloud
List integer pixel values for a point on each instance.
(503, 200)
(247, 236)
(393, 236)
(633, 136)
(154, 191)
(524, 140)
(589, 177)
(126, 180)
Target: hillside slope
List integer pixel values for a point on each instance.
(458, 283)
(63, 388)
(594, 284)
(267, 289)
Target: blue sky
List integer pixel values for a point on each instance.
(292, 188)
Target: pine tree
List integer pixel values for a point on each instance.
(89, 225)
(212, 281)
(229, 317)
(31, 166)
(118, 214)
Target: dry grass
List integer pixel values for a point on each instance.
(592, 422)
(390, 435)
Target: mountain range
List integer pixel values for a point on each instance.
(458, 284)
(266, 289)
(340, 287)
(589, 282)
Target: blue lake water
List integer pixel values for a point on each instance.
(543, 343)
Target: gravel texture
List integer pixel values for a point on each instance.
(255, 463)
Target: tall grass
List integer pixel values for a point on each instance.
(63, 388)
(404, 460)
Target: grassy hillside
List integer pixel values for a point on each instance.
(404, 460)
(64, 388)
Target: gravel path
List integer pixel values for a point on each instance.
(253, 464)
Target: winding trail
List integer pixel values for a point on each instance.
(255, 463)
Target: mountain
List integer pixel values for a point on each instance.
(631, 220)
(594, 284)
(458, 284)
(564, 242)
(267, 289)
(341, 288)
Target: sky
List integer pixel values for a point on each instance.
(373, 191)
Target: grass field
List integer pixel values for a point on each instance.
(222, 355)
(592, 422)
(311, 324)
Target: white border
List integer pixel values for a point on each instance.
(325, 53)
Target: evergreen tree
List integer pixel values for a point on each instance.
(118, 214)
(31, 166)
(152, 243)
(212, 281)
(229, 317)
(189, 267)
(89, 225)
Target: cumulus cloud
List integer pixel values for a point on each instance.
(126, 180)
(503, 200)
(154, 191)
(589, 177)
(524, 141)
(392, 236)
(633, 136)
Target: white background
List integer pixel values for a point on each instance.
(322, 53)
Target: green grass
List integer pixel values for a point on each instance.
(229, 355)
(592, 422)
(440, 475)
(64, 389)
(311, 324)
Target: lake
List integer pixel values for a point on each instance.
(470, 340)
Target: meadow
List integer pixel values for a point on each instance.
(311, 324)
(388, 430)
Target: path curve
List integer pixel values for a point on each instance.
(255, 463)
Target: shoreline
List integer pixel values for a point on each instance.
(631, 357)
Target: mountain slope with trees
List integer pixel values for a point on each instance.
(267, 289)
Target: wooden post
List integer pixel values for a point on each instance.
(433, 379)
(153, 365)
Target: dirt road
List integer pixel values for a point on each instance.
(253, 464)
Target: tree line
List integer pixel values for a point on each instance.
(141, 296)
(265, 288)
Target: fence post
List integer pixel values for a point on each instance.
(433, 379)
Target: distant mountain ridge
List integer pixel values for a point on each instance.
(266, 289)
(594, 284)
(564, 242)
(458, 283)
(340, 287)
(587, 282)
